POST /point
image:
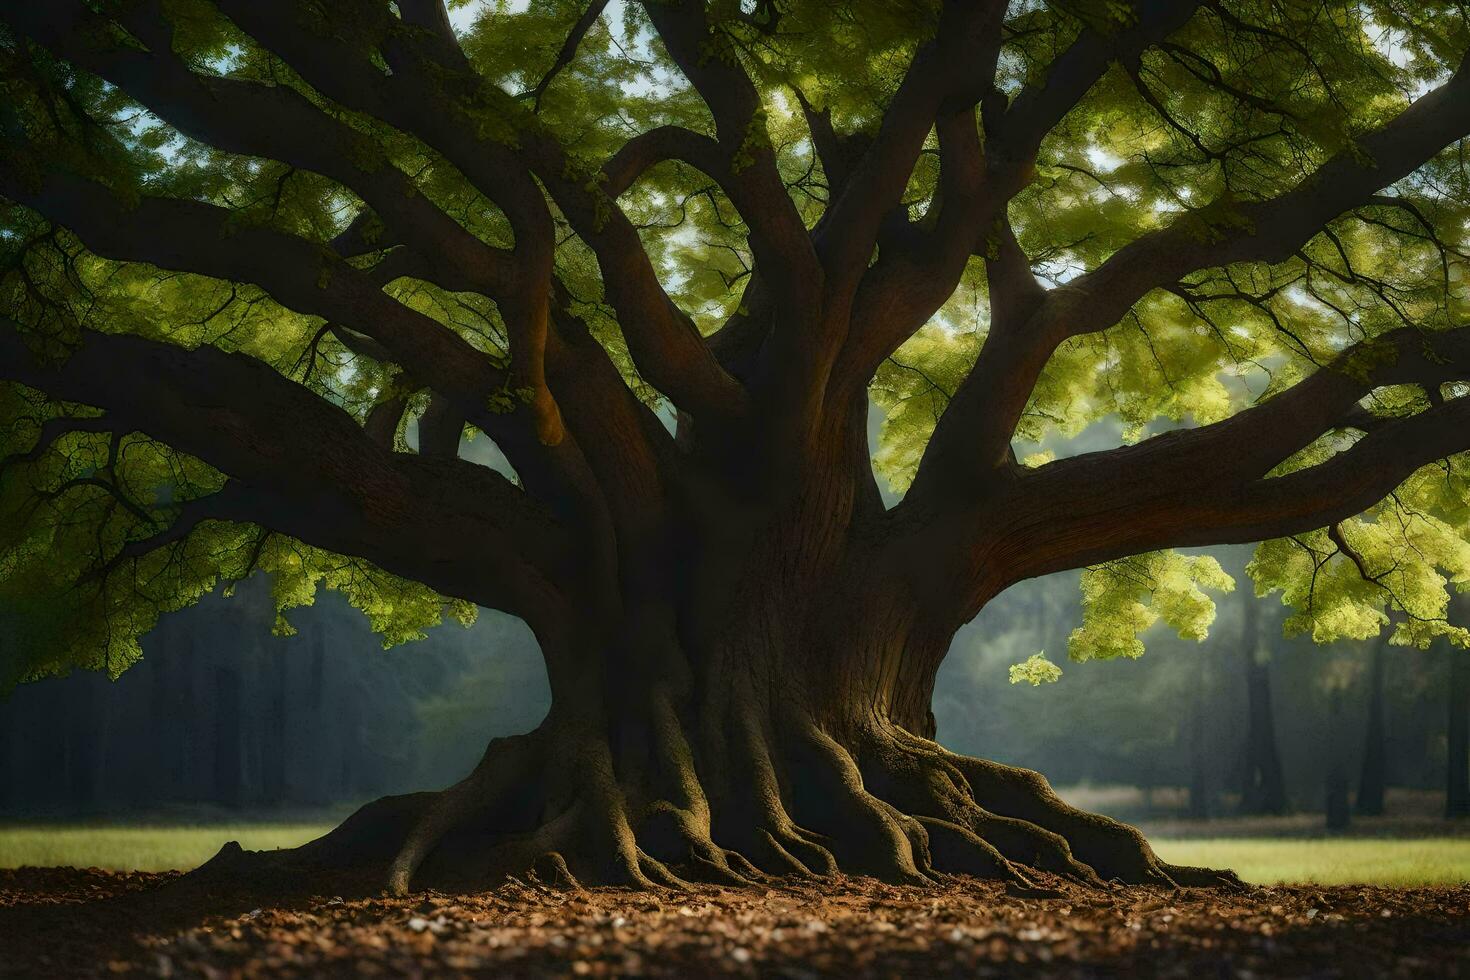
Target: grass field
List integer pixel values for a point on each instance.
(1327, 861)
(153, 847)
(1380, 861)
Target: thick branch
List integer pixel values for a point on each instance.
(783, 249)
(307, 469)
(656, 146)
(1271, 230)
(274, 122)
(1210, 485)
(942, 79)
(1038, 108)
(190, 236)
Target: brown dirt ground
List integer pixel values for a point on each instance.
(73, 923)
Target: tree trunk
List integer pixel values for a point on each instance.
(228, 764)
(1374, 776)
(1201, 795)
(1457, 783)
(1338, 813)
(1264, 786)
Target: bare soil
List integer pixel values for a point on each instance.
(87, 923)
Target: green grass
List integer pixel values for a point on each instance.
(1373, 861)
(1264, 860)
(157, 847)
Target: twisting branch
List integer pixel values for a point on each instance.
(311, 471)
(972, 439)
(779, 237)
(911, 282)
(1037, 109)
(195, 237)
(268, 121)
(663, 143)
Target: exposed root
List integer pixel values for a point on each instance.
(868, 835)
(554, 806)
(959, 850)
(1116, 851)
(503, 769)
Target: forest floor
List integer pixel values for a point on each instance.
(71, 923)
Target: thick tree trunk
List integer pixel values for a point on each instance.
(753, 756)
(745, 695)
(1374, 776)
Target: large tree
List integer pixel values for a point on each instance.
(268, 264)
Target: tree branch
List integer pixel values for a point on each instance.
(1211, 485)
(783, 248)
(665, 344)
(190, 236)
(307, 469)
(973, 437)
(567, 52)
(913, 278)
(273, 122)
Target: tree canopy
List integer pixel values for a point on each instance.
(265, 263)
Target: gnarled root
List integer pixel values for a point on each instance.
(1116, 851)
(783, 799)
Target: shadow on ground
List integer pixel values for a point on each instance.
(66, 922)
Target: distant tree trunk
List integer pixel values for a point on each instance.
(1457, 785)
(1200, 794)
(1374, 776)
(228, 774)
(273, 761)
(167, 751)
(1264, 788)
(9, 771)
(1339, 814)
(83, 750)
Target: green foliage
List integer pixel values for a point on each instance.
(1122, 599)
(1035, 670)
